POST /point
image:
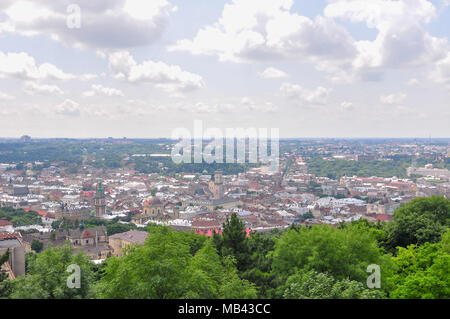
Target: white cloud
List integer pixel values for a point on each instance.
(104, 23)
(19, 65)
(49, 71)
(167, 77)
(273, 73)
(413, 82)
(402, 40)
(35, 88)
(319, 95)
(5, 96)
(88, 77)
(97, 89)
(347, 106)
(23, 66)
(249, 32)
(441, 73)
(234, 106)
(394, 98)
(68, 108)
(249, 104)
(246, 32)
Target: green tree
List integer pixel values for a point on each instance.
(341, 253)
(47, 277)
(116, 228)
(164, 267)
(422, 271)
(5, 286)
(260, 261)
(37, 245)
(213, 277)
(156, 270)
(419, 221)
(314, 285)
(234, 241)
(4, 257)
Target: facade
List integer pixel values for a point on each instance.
(16, 264)
(93, 241)
(153, 210)
(17, 190)
(6, 226)
(216, 186)
(87, 237)
(428, 170)
(118, 242)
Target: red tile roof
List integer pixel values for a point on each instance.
(5, 236)
(87, 234)
(4, 222)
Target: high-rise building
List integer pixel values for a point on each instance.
(100, 201)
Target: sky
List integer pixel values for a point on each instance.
(142, 69)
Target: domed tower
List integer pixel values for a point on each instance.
(153, 207)
(100, 201)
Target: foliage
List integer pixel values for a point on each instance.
(419, 221)
(337, 168)
(47, 277)
(116, 228)
(66, 223)
(342, 253)
(165, 268)
(37, 245)
(319, 261)
(260, 261)
(422, 271)
(20, 217)
(314, 285)
(233, 241)
(4, 257)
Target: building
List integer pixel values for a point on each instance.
(92, 241)
(216, 186)
(118, 242)
(213, 204)
(428, 170)
(100, 201)
(153, 210)
(17, 190)
(6, 226)
(15, 266)
(153, 207)
(218, 200)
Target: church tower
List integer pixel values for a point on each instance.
(100, 201)
(217, 189)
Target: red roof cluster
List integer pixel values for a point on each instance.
(40, 212)
(5, 236)
(87, 234)
(4, 222)
(87, 193)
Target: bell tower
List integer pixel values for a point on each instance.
(100, 201)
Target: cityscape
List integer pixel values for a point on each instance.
(236, 150)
